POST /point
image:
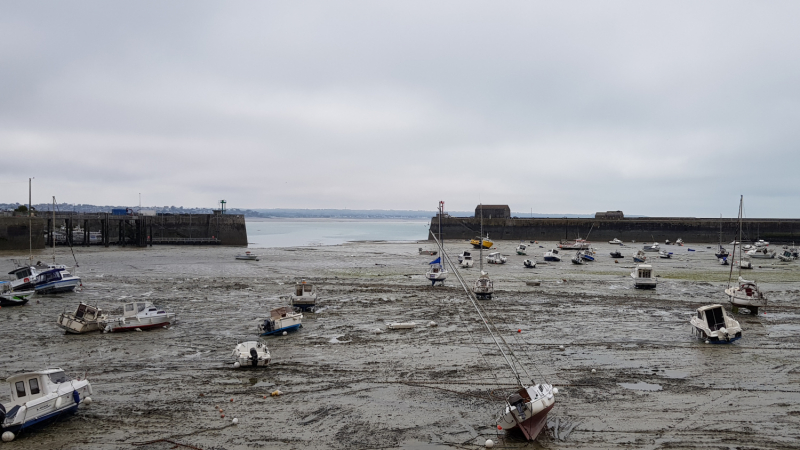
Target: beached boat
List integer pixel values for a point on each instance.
(250, 354)
(465, 260)
(713, 325)
(578, 258)
(280, 320)
(10, 297)
(476, 242)
(721, 252)
(761, 243)
(616, 254)
(577, 244)
(743, 264)
(529, 263)
(723, 261)
(615, 241)
(643, 277)
(679, 241)
(746, 295)
(427, 252)
(437, 272)
(651, 247)
(639, 257)
(664, 254)
(304, 296)
(40, 398)
(138, 316)
(86, 318)
(26, 275)
(496, 258)
(786, 256)
(521, 249)
(247, 256)
(483, 287)
(55, 281)
(760, 253)
(587, 255)
(552, 256)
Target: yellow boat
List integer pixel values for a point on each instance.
(476, 242)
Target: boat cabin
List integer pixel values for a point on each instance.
(644, 271)
(32, 385)
(303, 289)
(140, 309)
(51, 275)
(87, 312)
(713, 315)
(281, 312)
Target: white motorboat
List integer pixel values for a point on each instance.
(483, 287)
(86, 318)
(577, 244)
(664, 254)
(760, 253)
(578, 258)
(761, 243)
(465, 260)
(138, 316)
(496, 258)
(247, 256)
(713, 325)
(10, 297)
(304, 296)
(55, 281)
(401, 325)
(552, 256)
(281, 320)
(615, 241)
(437, 272)
(786, 256)
(522, 249)
(743, 264)
(26, 275)
(746, 295)
(651, 247)
(679, 241)
(639, 257)
(643, 277)
(250, 354)
(40, 398)
(529, 263)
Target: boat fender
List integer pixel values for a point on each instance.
(76, 397)
(489, 443)
(8, 436)
(236, 365)
(58, 403)
(87, 401)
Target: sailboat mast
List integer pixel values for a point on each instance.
(480, 249)
(30, 222)
(441, 244)
(741, 201)
(53, 230)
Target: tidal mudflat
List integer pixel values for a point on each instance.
(630, 374)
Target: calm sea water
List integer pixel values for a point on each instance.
(262, 233)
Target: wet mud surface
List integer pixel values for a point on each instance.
(349, 382)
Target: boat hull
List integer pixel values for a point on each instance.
(133, 324)
(68, 323)
(294, 327)
(535, 417)
(552, 259)
(57, 287)
(14, 299)
(715, 339)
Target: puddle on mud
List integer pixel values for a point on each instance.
(641, 386)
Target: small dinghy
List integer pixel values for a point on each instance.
(250, 354)
(639, 257)
(282, 319)
(552, 256)
(663, 254)
(85, 319)
(304, 297)
(401, 325)
(247, 256)
(643, 277)
(9, 297)
(138, 316)
(521, 249)
(615, 241)
(616, 254)
(496, 258)
(40, 398)
(529, 263)
(713, 325)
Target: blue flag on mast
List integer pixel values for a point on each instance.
(436, 261)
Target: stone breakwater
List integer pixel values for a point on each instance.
(689, 229)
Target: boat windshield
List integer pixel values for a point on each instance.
(59, 377)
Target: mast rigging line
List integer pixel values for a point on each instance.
(494, 331)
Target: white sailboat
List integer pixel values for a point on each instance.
(484, 286)
(746, 294)
(437, 272)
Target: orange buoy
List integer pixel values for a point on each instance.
(499, 427)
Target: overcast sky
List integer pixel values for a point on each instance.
(656, 108)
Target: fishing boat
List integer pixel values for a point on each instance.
(746, 294)
(138, 316)
(437, 272)
(55, 281)
(40, 398)
(639, 257)
(552, 256)
(529, 263)
(496, 258)
(250, 354)
(427, 252)
(616, 254)
(86, 318)
(643, 277)
(521, 249)
(282, 319)
(247, 256)
(10, 297)
(578, 258)
(465, 260)
(577, 244)
(664, 254)
(479, 242)
(713, 325)
(651, 247)
(304, 296)
(760, 253)
(615, 241)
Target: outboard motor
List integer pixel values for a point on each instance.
(253, 357)
(516, 401)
